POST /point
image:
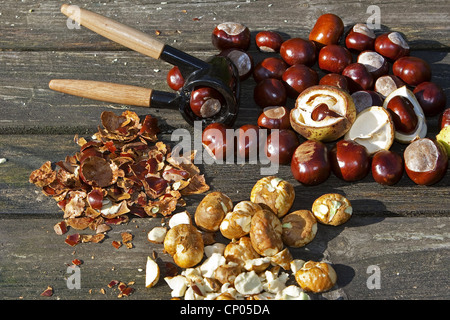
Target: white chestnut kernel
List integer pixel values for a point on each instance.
(316, 276)
(332, 209)
(211, 211)
(265, 233)
(299, 228)
(276, 193)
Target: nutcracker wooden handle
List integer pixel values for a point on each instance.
(104, 91)
(115, 31)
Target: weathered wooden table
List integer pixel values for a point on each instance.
(399, 233)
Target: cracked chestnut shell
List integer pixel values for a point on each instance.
(326, 125)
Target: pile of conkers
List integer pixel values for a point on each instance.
(371, 93)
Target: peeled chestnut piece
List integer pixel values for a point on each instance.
(270, 92)
(387, 167)
(206, 102)
(403, 115)
(349, 160)
(271, 67)
(426, 161)
(391, 45)
(214, 140)
(248, 141)
(241, 59)
(275, 118)
(231, 35)
(335, 80)
(360, 38)
(375, 63)
(310, 163)
(387, 84)
(412, 70)
(174, 78)
(299, 77)
(359, 78)
(334, 58)
(268, 41)
(298, 51)
(281, 145)
(431, 98)
(327, 30)
(444, 119)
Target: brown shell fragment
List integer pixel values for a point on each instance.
(98, 172)
(43, 176)
(122, 170)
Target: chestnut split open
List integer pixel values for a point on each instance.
(217, 72)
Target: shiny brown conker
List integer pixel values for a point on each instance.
(281, 145)
(327, 30)
(231, 35)
(387, 167)
(334, 58)
(349, 160)
(310, 164)
(214, 140)
(426, 161)
(412, 70)
(335, 80)
(275, 117)
(359, 78)
(272, 67)
(431, 98)
(391, 45)
(206, 102)
(298, 51)
(270, 92)
(268, 41)
(403, 114)
(175, 79)
(248, 141)
(299, 77)
(360, 38)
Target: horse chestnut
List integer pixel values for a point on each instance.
(426, 161)
(431, 98)
(349, 160)
(231, 35)
(271, 67)
(387, 167)
(268, 41)
(327, 30)
(270, 92)
(310, 164)
(298, 51)
(334, 58)
(299, 77)
(281, 145)
(412, 70)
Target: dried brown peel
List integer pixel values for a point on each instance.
(123, 170)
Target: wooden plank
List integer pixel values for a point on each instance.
(411, 254)
(41, 26)
(30, 106)
(25, 153)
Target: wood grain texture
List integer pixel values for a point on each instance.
(403, 229)
(412, 263)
